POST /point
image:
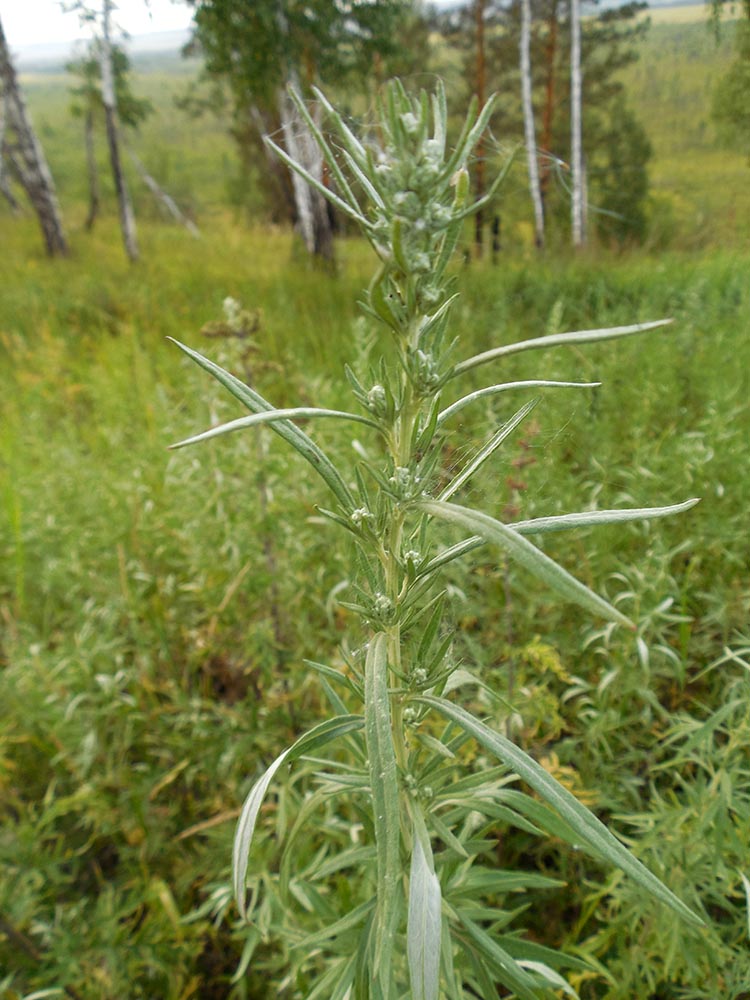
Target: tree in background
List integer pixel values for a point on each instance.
(259, 49)
(731, 102)
(578, 199)
(621, 178)
(99, 20)
(609, 41)
(88, 104)
(24, 152)
(109, 100)
(532, 156)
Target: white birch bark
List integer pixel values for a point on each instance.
(127, 217)
(5, 188)
(312, 210)
(576, 128)
(528, 123)
(28, 157)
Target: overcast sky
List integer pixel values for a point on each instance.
(41, 22)
(30, 22)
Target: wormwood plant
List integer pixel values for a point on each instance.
(434, 921)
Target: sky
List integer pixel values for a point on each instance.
(42, 22)
(36, 22)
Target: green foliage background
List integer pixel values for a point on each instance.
(146, 677)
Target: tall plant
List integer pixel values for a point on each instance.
(432, 921)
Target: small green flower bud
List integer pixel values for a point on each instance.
(376, 400)
(410, 123)
(361, 515)
(383, 605)
(460, 181)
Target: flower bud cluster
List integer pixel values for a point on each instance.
(404, 484)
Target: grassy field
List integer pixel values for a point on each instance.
(156, 606)
(700, 184)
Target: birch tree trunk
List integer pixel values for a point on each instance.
(528, 123)
(28, 158)
(161, 195)
(5, 189)
(550, 55)
(576, 114)
(127, 218)
(312, 208)
(480, 84)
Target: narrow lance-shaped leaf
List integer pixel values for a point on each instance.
(271, 416)
(593, 518)
(316, 737)
(325, 149)
(593, 833)
(526, 554)
(487, 451)
(424, 921)
(468, 141)
(352, 143)
(385, 801)
(557, 340)
(493, 390)
(562, 522)
(504, 966)
(493, 189)
(318, 185)
(284, 428)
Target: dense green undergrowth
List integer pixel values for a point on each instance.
(152, 649)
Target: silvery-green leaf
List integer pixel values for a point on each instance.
(284, 428)
(592, 518)
(316, 737)
(503, 965)
(352, 143)
(552, 978)
(273, 416)
(327, 193)
(325, 149)
(526, 554)
(746, 886)
(593, 833)
(487, 451)
(423, 934)
(557, 340)
(493, 390)
(385, 801)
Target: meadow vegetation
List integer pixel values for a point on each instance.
(157, 607)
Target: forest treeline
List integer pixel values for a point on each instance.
(565, 111)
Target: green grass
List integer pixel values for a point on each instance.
(151, 647)
(700, 185)
(144, 680)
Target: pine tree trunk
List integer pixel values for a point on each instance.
(312, 208)
(92, 171)
(576, 137)
(127, 218)
(28, 158)
(528, 122)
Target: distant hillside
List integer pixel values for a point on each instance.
(51, 58)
